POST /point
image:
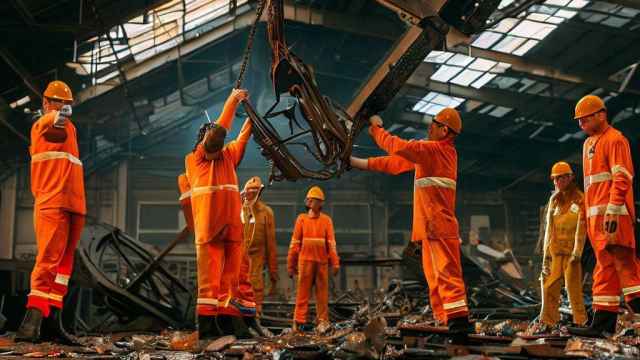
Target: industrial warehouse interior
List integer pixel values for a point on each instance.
(319, 179)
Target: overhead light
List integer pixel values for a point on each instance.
(20, 102)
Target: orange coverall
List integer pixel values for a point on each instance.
(185, 200)
(434, 220)
(215, 199)
(260, 240)
(608, 174)
(57, 184)
(312, 251)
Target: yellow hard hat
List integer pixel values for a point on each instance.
(451, 118)
(560, 168)
(588, 105)
(253, 183)
(315, 193)
(58, 90)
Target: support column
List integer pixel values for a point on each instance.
(8, 197)
(120, 208)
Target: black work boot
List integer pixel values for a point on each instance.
(459, 330)
(207, 327)
(635, 305)
(240, 328)
(225, 324)
(29, 330)
(253, 324)
(53, 329)
(603, 324)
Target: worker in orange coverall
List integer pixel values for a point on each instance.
(564, 237)
(311, 253)
(215, 199)
(260, 239)
(435, 225)
(57, 184)
(610, 212)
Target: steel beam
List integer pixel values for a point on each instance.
(22, 8)
(420, 82)
(21, 71)
(521, 64)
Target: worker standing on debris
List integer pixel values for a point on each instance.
(564, 237)
(260, 238)
(57, 184)
(312, 254)
(215, 198)
(185, 200)
(434, 220)
(610, 212)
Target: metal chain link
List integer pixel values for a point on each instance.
(250, 38)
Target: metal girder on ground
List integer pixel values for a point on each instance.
(21, 71)
(523, 65)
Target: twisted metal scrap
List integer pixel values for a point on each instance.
(332, 129)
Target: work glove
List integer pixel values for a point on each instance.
(375, 120)
(239, 95)
(62, 116)
(610, 227)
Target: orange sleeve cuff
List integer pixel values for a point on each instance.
(228, 113)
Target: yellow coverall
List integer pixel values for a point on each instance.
(563, 244)
(260, 240)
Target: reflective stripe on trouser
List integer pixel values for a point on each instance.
(257, 279)
(561, 268)
(312, 273)
(239, 300)
(617, 272)
(57, 236)
(443, 271)
(217, 261)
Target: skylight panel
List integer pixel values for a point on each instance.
(483, 80)
(508, 44)
(628, 12)
(486, 39)
(557, 2)
(615, 21)
(460, 60)
(466, 77)
(567, 14)
(500, 68)
(505, 25)
(481, 64)
(578, 4)
(595, 18)
(505, 3)
(445, 73)
(438, 57)
(555, 20)
(524, 48)
(532, 29)
(500, 111)
(537, 17)
(433, 109)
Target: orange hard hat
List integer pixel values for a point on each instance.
(451, 118)
(315, 193)
(253, 183)
(560, 168)
(588, 105)
(58, 90)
